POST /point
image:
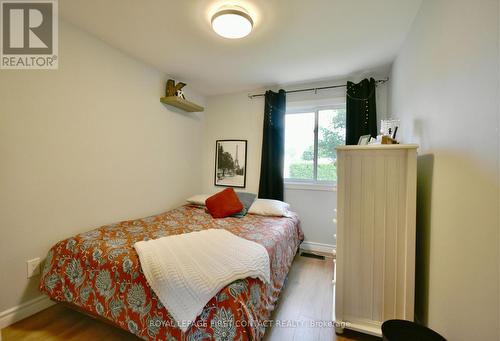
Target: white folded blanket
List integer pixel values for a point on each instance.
(187, 270)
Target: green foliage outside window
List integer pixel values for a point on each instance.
(329, 137)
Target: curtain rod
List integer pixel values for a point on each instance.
(380, 81)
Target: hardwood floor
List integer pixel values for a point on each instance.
(306, 297)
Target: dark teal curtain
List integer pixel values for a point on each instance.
(273, 146)
(361, 113)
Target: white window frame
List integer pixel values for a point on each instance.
(314, 184)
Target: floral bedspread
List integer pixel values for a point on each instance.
(99, 272)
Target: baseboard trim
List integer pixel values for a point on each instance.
(318, 247)
(21, 311)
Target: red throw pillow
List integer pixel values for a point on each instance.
(224, 204)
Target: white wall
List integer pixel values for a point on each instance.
(445, 87)
(235, 116)
(83, 146)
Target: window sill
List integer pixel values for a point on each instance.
(311, 186)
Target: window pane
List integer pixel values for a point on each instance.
(299, 146)
(331, 132)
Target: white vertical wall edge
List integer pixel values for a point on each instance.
(376, 213)
(19, 312)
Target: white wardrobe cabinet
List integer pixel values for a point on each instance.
(375, 264)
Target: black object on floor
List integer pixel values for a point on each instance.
(312, 255)
(401, 330)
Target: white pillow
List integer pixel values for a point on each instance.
(198, 199)
(269, 207)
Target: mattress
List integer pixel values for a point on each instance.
(98, 272)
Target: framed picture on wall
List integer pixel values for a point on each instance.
(231, 163)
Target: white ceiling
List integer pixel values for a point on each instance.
(292, 40)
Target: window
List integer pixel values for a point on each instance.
(310, 140)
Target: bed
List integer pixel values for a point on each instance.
(98, 273)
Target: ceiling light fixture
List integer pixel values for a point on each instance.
(232, 22)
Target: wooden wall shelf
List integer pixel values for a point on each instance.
(181, 104)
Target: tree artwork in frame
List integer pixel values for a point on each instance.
(231, 163)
